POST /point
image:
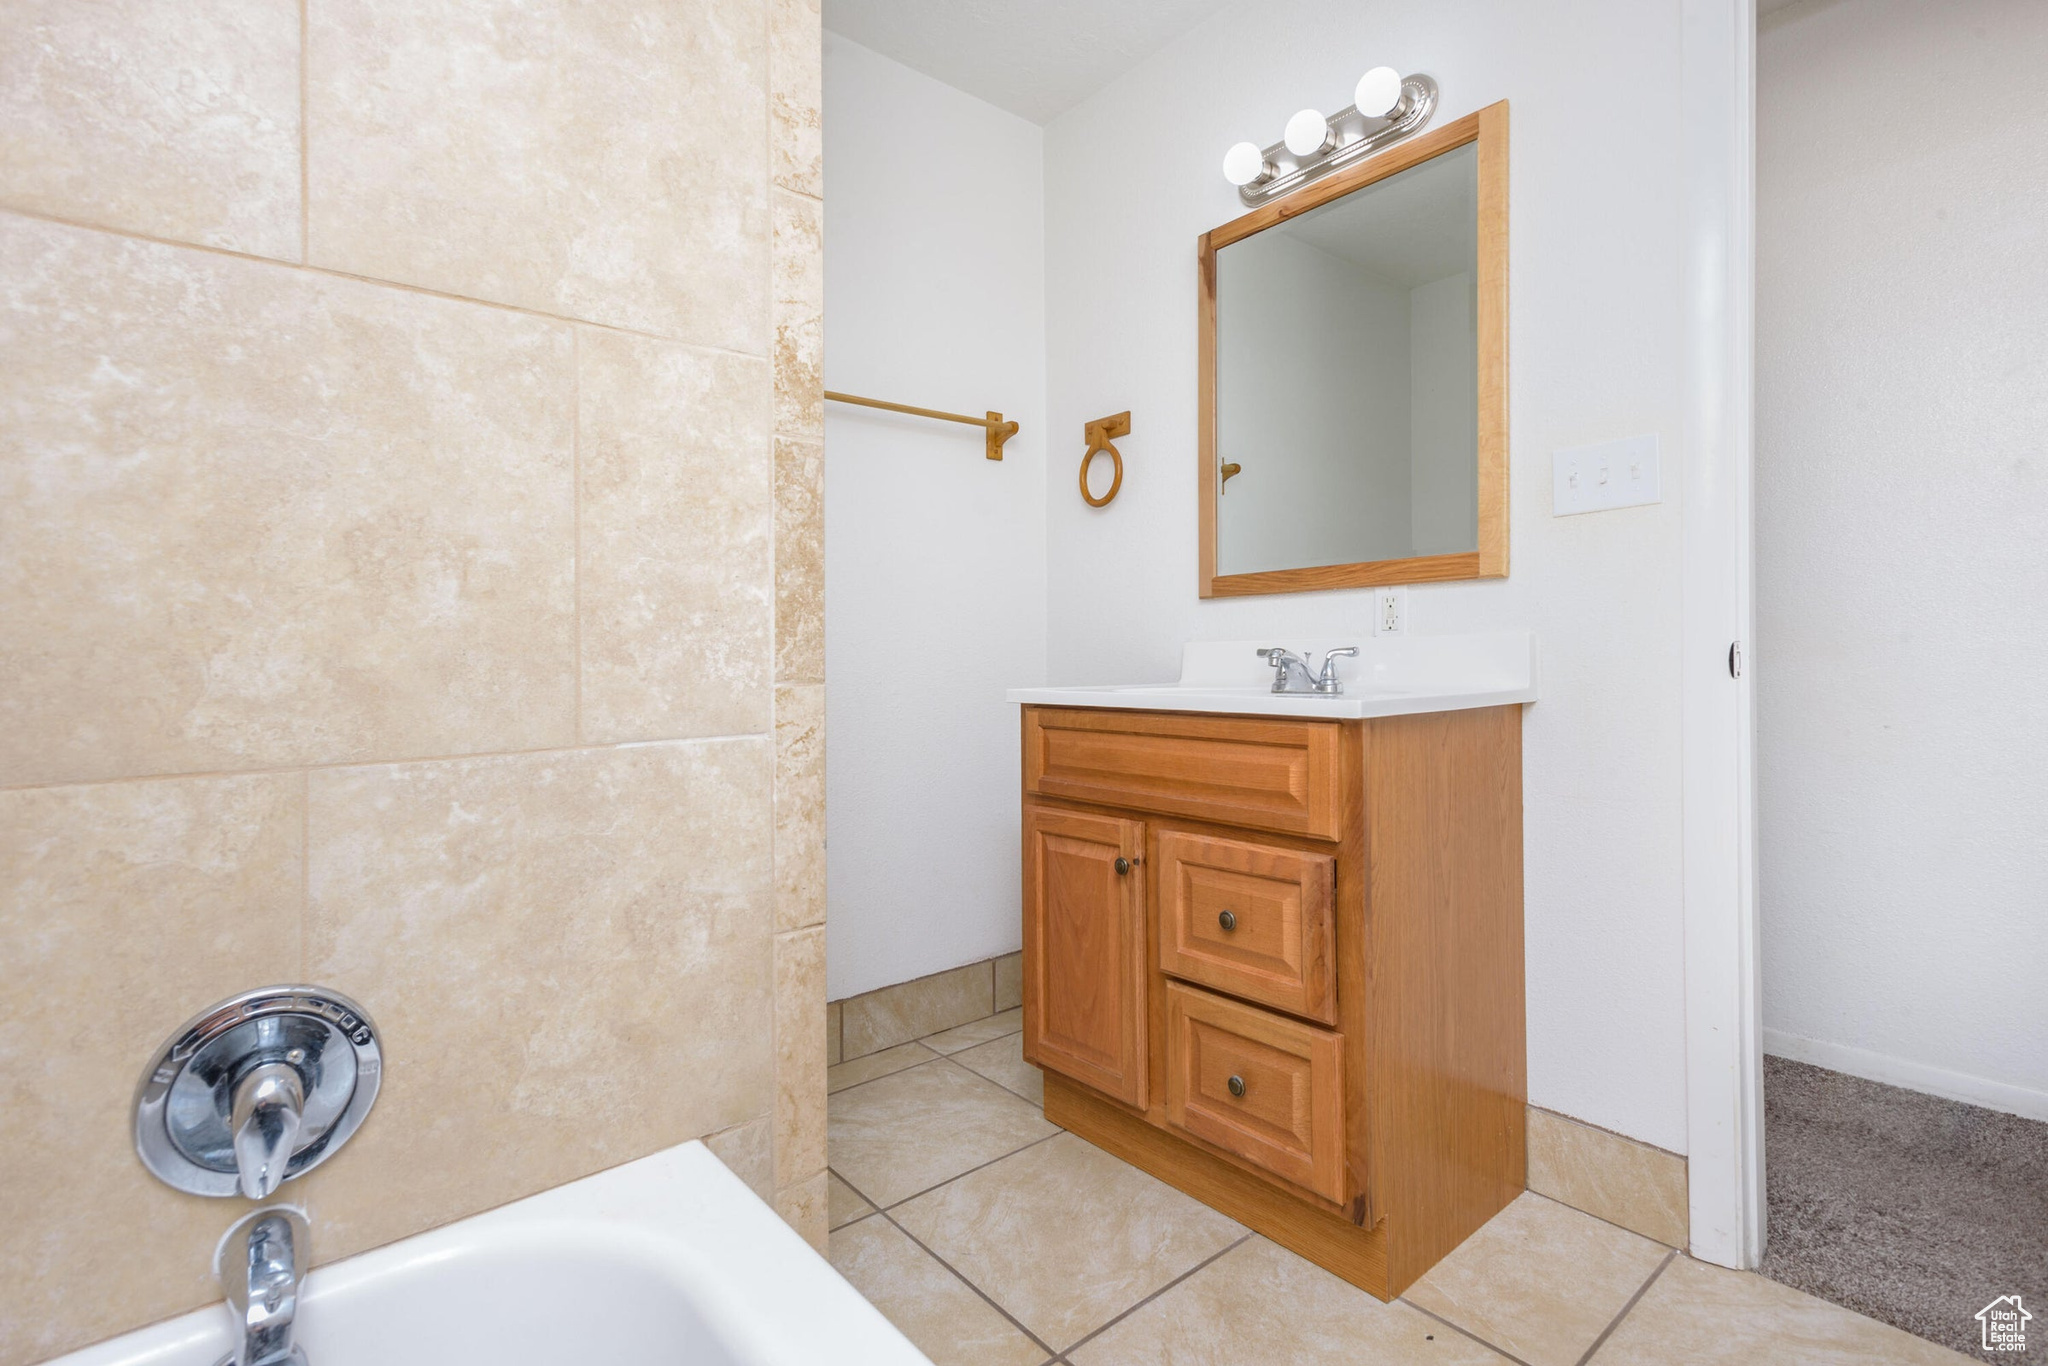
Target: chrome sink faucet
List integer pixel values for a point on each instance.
(1287, 666)
(262, 1265)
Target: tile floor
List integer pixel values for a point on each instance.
(993, 1238)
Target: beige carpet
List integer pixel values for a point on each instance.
(1912, 1209)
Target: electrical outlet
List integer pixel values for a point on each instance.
(1613, 474)
(1389, 611)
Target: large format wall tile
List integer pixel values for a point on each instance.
(252, 516)
(796, 151)
(676, 481)
(799, 316)
(125, 909)
(569, 956)
(601, 161)
(178, 121)
(799, 561)
(799, 1056)
(799, 806)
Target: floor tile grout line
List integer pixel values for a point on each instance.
(936, 1032)
(334, 273)
(870, 1081)
(978, 1043)
(1626, 1309)
(947, 1057)
(1659, 1242)
(936, 1057)
(919, 1243)
(986, 1298)
(1194, 1270)
(1039, 1105)
(1462, 1331)
(969, 1172)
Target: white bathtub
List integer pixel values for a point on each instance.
(669, 1260)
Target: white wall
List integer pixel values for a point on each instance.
(1132, 177)
(1902, 574)
(935, 557)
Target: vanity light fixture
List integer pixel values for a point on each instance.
(1309, 134)
(1387, 107)
(1245, 162)
(1379, 90)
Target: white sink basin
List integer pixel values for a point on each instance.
(1391, 676)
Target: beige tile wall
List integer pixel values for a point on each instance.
(411, 569)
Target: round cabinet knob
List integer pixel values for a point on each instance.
(1123, 865)
(1237, 1086)
(1228, 920)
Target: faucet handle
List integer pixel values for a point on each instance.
(270, 1104)
(1327, 681)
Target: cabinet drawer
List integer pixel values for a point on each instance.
(1262, 1086)
(1267, 775)
(1249, 919)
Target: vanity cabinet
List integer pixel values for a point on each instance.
(1277, 963)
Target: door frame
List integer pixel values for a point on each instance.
(1723, 1024)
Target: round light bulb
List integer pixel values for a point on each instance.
(1307, 131)
(1244, 163)
(1379, 90)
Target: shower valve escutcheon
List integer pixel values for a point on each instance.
(257, 1090)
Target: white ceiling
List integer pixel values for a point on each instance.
(1035, 58)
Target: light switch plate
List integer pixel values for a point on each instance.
(1613, 474)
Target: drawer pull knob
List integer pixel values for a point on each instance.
(1123, 865)
(1237, 1086)
(1228, 920)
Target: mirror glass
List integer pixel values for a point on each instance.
(1347, 377)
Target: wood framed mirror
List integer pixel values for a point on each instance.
(1353, 387)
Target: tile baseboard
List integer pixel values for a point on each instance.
(1641, 1188)
(887, 1016)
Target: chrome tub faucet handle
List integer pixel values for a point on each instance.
(269, 1109)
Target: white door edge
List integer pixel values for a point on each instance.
(1723, 1047)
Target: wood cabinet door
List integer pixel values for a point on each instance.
(1084, 949)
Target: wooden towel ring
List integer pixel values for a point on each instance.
(1098, 434)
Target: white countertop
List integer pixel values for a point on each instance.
(1391, 676)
